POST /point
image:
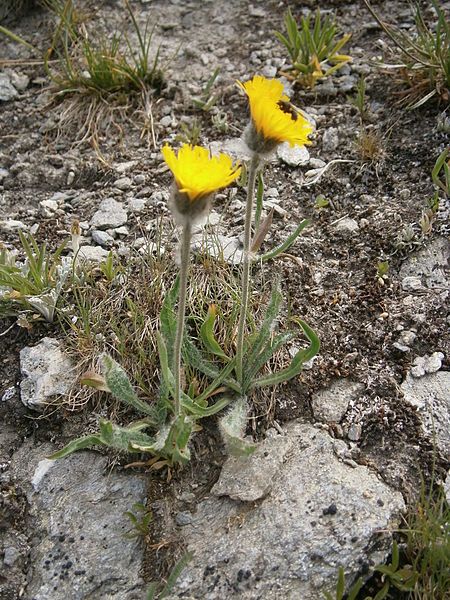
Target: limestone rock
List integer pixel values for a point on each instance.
(110, 213)
(7, 90)
(79, 544)
(92, 253)
(347, 226)
(293, 156)
(430, 395)
(47, 372)
(330, 140)
(429, 264)
(318, 515)
(331, 404)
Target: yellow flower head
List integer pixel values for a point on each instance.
(197, 173)
(274, 120)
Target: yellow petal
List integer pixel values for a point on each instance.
(197, 173)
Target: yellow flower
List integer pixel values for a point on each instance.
(197, 173)
(274, 120)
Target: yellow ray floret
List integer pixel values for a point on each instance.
(197, 173)
(260, 87)
(270, 117)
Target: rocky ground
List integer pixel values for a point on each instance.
(342, 448)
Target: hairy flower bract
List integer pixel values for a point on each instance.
(197, 173)
(273, 119)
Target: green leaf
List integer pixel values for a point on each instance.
(207, 334)
(120, 386)
(265, 332)
(286, 244)
(297, 362)
(440, 162)
(174, 574)
(232, 427)
(383, 592)
(168, 318)
(340, 588)
(152, 590)
(197, 360)
(354, 591)
(167, 376)
(200, 412)
(251, 370)
(79, 444)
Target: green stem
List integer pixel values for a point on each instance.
(184, 268)
(246, 267)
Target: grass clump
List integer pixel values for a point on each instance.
(101, 78)
(423, 70)
(313, 47)
(33, 285)
(102, 65)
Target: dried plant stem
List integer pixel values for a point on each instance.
(184, 268)
(246, 266)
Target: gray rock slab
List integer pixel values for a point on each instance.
(431, 396)
(92, 253)
(46, 371)
(80, 550)
(319, 514)
(7, 90)
(331, 404)
(110, 213)
(430, 264)
(330, 140)
(256, 480)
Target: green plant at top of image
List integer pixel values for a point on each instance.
(33, 285)
(207, 99)
(313, 47)
(424, 66)
(102, 65)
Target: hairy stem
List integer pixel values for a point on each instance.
(184, 268)
(246, 267)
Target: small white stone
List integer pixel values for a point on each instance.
(7, 90)
(92, 253)
(137, 204)
(330, 140)
(354, 433)
(123, 184)
(110, 213)
(139, 179)
(121, 230)
(12, 225)
(411, 283)
(166, 121)
(269, 71)
(48, 206)
(293, 156)
(347, 226)
(434, 362)
(102, 238)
